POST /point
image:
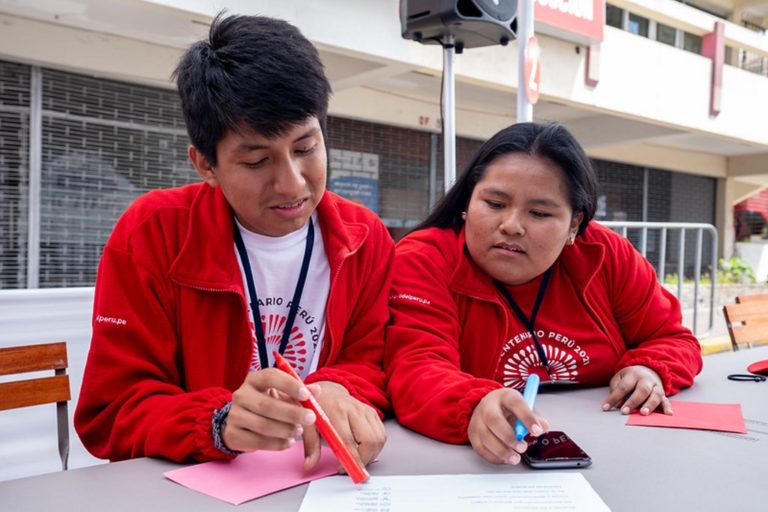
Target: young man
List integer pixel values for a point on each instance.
(198, 285)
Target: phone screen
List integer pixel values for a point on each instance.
(555, 450)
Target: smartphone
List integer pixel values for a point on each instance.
(554, 450)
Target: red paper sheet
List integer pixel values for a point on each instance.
(696, 415)
(255, 474)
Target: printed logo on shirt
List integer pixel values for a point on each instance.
(295, 351)
(519, 358)
(302, 342)
(111, 320)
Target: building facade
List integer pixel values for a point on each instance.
(667, 100)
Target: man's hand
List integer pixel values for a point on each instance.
(265, 413)
(357, 424)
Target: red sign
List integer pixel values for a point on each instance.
(580, 21)
(713, 46)
(532, 69)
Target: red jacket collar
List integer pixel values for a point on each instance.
(207, 258)
(341, 236)
(469, 279)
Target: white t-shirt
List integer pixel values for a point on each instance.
(276, 265)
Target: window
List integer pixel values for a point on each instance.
(665, 34)
(691, 42)
(638, 25)
(102, 144)
(14, 173)
(614, 16)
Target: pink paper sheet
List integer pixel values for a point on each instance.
(252, 475)
(696, 415)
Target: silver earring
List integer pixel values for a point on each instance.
(464, 215)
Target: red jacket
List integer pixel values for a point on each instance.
(449, 325)
(171, 336)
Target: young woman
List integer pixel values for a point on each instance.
(507, 278)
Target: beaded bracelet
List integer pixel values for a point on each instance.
(217, 423)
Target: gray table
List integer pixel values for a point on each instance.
(635, 468)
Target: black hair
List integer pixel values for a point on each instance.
(552, 141)
(252, 71)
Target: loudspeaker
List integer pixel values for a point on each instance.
(473, 23)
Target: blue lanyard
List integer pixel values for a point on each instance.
(530, 323)
(255, 313)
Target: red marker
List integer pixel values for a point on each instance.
(353, 468)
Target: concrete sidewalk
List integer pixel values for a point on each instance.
(717, 338)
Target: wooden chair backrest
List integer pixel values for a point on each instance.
(41, 390)
(755, 297)
(747, 320)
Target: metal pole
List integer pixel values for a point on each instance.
(681, 264)
(524, 31)
(662, 255)
(432, 170)
(713, 278)
(697, 277)
(35, 176)
(449, 110)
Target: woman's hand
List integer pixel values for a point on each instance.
(491, 428)
(357, 424)
(637, 387)
(265, 413)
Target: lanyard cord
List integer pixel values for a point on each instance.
(530, 323)
(255, 313)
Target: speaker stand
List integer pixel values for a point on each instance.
(448, 107)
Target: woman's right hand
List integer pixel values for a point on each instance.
(265, 413)
(491, 428)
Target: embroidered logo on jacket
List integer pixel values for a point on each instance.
(111, 320)
(408, 296)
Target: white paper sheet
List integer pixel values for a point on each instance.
(552, 492)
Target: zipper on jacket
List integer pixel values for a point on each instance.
(328, 323)
(243, 304)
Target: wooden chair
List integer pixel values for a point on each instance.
(755, 297)
(42, 390)
(747, 320)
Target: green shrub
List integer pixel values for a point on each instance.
(735, 271)
(730, 271)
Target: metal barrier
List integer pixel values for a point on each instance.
(627, 229)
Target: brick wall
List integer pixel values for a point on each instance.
(404, 164)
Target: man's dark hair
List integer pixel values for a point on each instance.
(552, 141)
(252, 71)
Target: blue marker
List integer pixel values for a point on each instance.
(529, 394)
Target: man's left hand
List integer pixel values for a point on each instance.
(357, 424)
